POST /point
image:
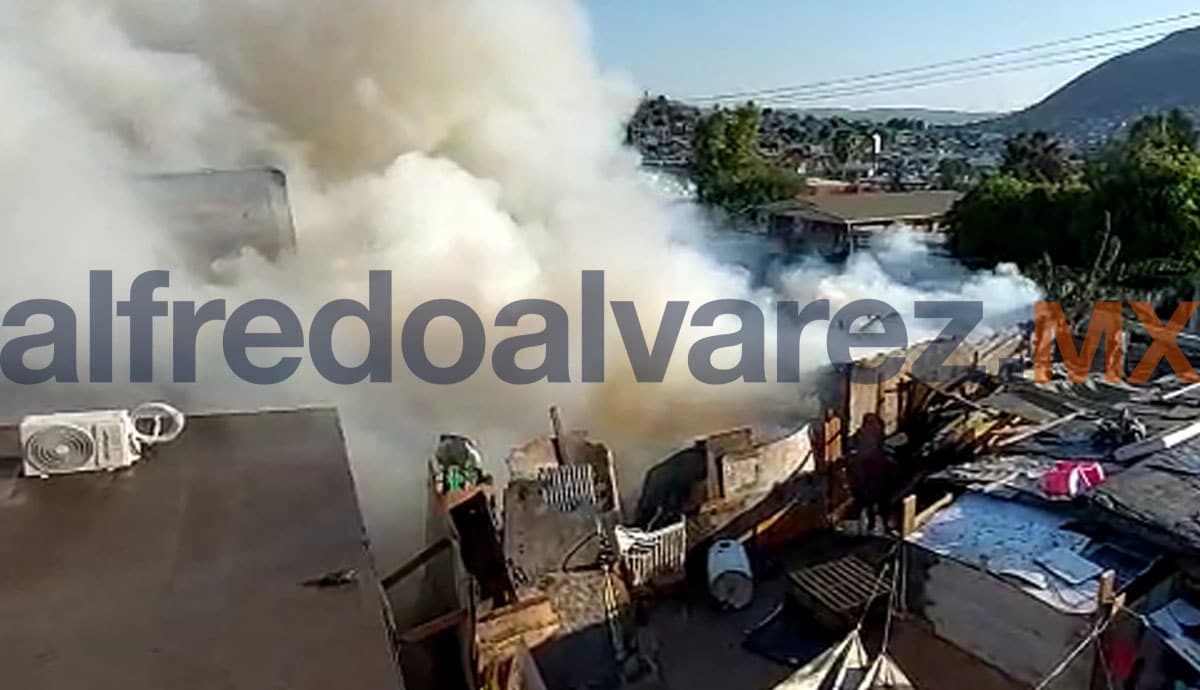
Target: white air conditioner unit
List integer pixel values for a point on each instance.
(67, 443)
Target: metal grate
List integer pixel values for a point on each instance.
(648, 556)
(568, 487)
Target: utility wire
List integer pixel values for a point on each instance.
(947, 63)
(1032, 62)
(934, 82)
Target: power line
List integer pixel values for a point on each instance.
(947, 63)
(1074, 55)
(864, 91)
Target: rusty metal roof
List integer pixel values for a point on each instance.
(868, 208)
(189, 570)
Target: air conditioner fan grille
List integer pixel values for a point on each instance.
(60, 448)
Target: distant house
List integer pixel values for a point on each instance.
(837, 224)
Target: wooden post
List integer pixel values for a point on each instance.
(1107, 597)
(1108, 601)
(831, 450)
(834, 430)
(879, 395)
(908, 523)
(560, 443)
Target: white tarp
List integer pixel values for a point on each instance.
(847, 666)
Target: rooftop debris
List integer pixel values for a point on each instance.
(1061, 502)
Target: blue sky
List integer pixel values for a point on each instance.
(700, 47)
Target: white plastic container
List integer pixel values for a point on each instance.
(730, 579)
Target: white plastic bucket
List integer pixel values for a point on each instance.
(730, 579)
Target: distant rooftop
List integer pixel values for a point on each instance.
(867, 208)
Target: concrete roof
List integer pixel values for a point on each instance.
(867, 208)
(189, 569)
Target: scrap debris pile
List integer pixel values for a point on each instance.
(1065, 513)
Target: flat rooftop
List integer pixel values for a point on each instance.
(189, 569)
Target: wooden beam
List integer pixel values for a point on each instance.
(925, 515)
(529, 623)
(1040, 429)
(960, 399)
(434, 627)
(416, 562)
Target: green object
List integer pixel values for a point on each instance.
(455, 479)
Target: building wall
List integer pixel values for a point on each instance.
(761, 468)
(995, 621)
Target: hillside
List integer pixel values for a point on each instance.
(1160, 76)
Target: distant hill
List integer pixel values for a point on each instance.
(1160, 76)
(928, 115)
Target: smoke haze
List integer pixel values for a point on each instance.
(471, 147)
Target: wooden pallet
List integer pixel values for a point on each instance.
(843, 587)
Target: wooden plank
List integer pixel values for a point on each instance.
(960, 399)
(416, 563)
(528, 623)
(1041, 429)
(434, 627)
(926, 515)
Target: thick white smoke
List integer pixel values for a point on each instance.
(469, 146)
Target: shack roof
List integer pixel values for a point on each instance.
(188, 570)
(867, 208)
(1155, 498)
(1158, 499)
(1011, 539)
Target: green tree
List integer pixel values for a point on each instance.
(1035, 157)
(954, 173)
(730, 171)
(1173, 130)
(1149, 188)
(1007, 218)
(847, 146)
(1154, 197)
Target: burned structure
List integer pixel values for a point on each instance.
(1033, 535)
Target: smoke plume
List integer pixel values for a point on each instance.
(471, 147)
